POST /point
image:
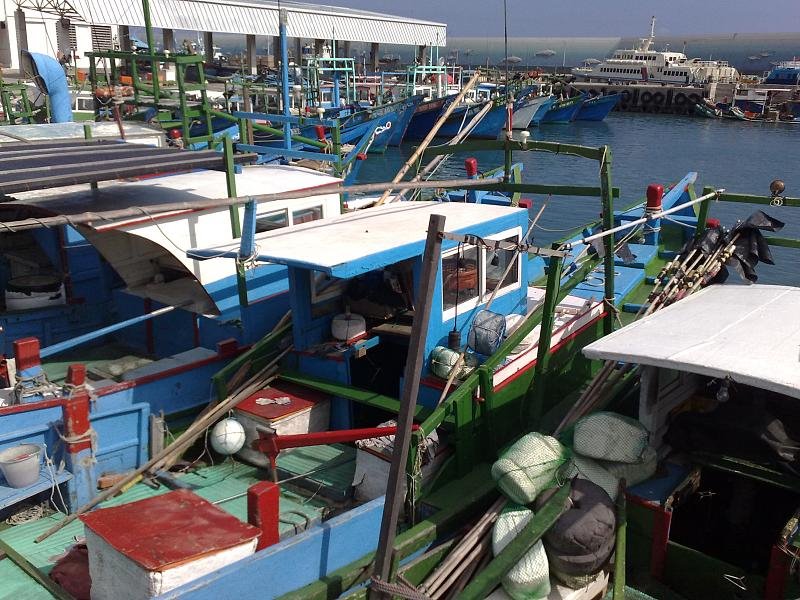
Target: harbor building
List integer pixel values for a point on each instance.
(71, 28)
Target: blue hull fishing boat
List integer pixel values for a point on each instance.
(564, 111)
(488, 128)
(406, 115)
(597, 108)
(425, 117)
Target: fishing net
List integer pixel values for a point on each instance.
(591, 470)
(487, 331)
(533, 463)
(634, 473)
(529, 579)
(575, 582)
(609, 436)
(444, 359)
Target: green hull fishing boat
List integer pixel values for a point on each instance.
(423, 423)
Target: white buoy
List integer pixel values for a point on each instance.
(227, 437)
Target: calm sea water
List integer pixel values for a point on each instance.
(740, 157)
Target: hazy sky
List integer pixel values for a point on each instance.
(594, 18)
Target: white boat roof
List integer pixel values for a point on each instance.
(361, 241)
(150, 192)
(748, 333)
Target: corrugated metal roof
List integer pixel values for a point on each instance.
(260, 17)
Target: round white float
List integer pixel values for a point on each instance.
(227, 436)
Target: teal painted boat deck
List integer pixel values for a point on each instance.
(303, 502)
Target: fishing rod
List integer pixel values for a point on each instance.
(651, 217)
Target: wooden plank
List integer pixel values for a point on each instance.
(392, 329)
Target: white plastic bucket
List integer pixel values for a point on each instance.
(20, 464)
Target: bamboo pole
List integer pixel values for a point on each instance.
(463, 547)
(431, 134)
(180, 443)
(456, 140)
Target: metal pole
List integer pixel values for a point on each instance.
(151, 46)
(283, 20)
(414, 363)
(608, 223)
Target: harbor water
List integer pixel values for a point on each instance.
(741, 157)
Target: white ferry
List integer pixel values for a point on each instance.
(645, 64)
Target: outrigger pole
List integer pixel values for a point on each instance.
(101, 217)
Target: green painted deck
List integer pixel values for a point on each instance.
(16, 584)
(97, 360)
(331, 469)
(224, 484)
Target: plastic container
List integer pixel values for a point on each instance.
(348, 326)
(34, 291)
(20, 464)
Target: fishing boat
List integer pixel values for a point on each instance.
(489, 127)
(720, 417)
(532, 110)
(597, 108)
(707, 109)
(353, 282)
(564, 110)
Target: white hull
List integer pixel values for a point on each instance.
(524, 115)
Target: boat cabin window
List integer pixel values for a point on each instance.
(460, 277)
(306, 215)
(471, 274)
(275, 219)
(497, 261)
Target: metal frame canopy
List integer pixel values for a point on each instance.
(40, 165)
(362, 241)
(258, 17)
(749, 334)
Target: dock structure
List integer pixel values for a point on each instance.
(72, 28)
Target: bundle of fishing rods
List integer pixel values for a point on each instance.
(706, 259)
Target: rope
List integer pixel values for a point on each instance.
(33, 386)
(90, 435)
(29, 514)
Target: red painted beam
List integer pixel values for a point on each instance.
(271, 444)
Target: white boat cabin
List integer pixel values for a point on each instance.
(719, 395)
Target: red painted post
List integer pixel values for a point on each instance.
(778, 572)
(26, 353)
(662, 519)
(263, 510)
(76, 410)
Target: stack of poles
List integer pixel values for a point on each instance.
(684, 275)
(465, 559)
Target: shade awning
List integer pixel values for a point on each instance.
(748, 333)
(259, 17)
(362, 241)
